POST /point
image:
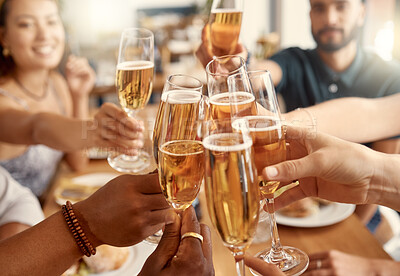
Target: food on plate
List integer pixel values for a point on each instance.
(74, 192)
(107, 258)
(302, 208)
(322, 202)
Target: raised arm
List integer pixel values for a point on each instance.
(111, 128)
(353, 119)
(80, 78)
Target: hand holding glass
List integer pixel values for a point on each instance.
(224, 26)
(134, 83)
(269, 148)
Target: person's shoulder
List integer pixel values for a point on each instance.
(293, 53)
(8, 99)
(292, 56)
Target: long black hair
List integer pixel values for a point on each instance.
(7, 64)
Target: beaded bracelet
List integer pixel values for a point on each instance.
(76, 229)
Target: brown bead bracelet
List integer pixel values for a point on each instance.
(76, 230)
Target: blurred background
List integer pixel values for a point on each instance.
(94, 28)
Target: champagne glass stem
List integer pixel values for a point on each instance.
(276, 253)
(240, 267)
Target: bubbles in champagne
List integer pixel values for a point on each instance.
(134, 82)
(231, 188)
(181, 171)
(185, 103)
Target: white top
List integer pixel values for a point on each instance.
(17, 203)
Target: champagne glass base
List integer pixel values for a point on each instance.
(129, 164)
(293, 263)
(155, 238)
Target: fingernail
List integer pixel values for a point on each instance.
(170, 218)
(271, 171)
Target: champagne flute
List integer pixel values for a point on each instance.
(218, 70)
(174, 82)
(269, 145)
(134, 83)
(224, 26)
(231, 185)
(181, 153)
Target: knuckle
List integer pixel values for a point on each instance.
(290, 167)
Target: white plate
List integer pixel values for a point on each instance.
(135, 262)
(81, 183)
(327, 215)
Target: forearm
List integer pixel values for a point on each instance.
(354, 119)
(45, 249)
(11, 229)
(62, 133)
(271, 66)
(78, 160)
(81, 107)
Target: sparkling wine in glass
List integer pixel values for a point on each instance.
(231, 185)
(224, 26)
(181, 152)
(218, 70)
(269, 146)
(175, 82)
(134, 83)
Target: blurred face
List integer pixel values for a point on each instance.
(335, 23)
(34, 34)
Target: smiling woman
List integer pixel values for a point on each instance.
(45, 113)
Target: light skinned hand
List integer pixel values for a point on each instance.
(125, 211)
(174, 256)
(341, 264)
(113, 128)
(260, 266)
(205, 54)
(79, 75)
(326, 167)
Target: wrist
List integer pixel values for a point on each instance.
(84, 220)
(384, 184)
(80, 105)
(88, 133)
(301, 117)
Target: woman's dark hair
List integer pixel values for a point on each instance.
(6, 62)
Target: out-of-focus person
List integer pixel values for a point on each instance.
(19, 208)
(338, 67)
(42, 113)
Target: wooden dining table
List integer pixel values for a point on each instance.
(348, 235)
